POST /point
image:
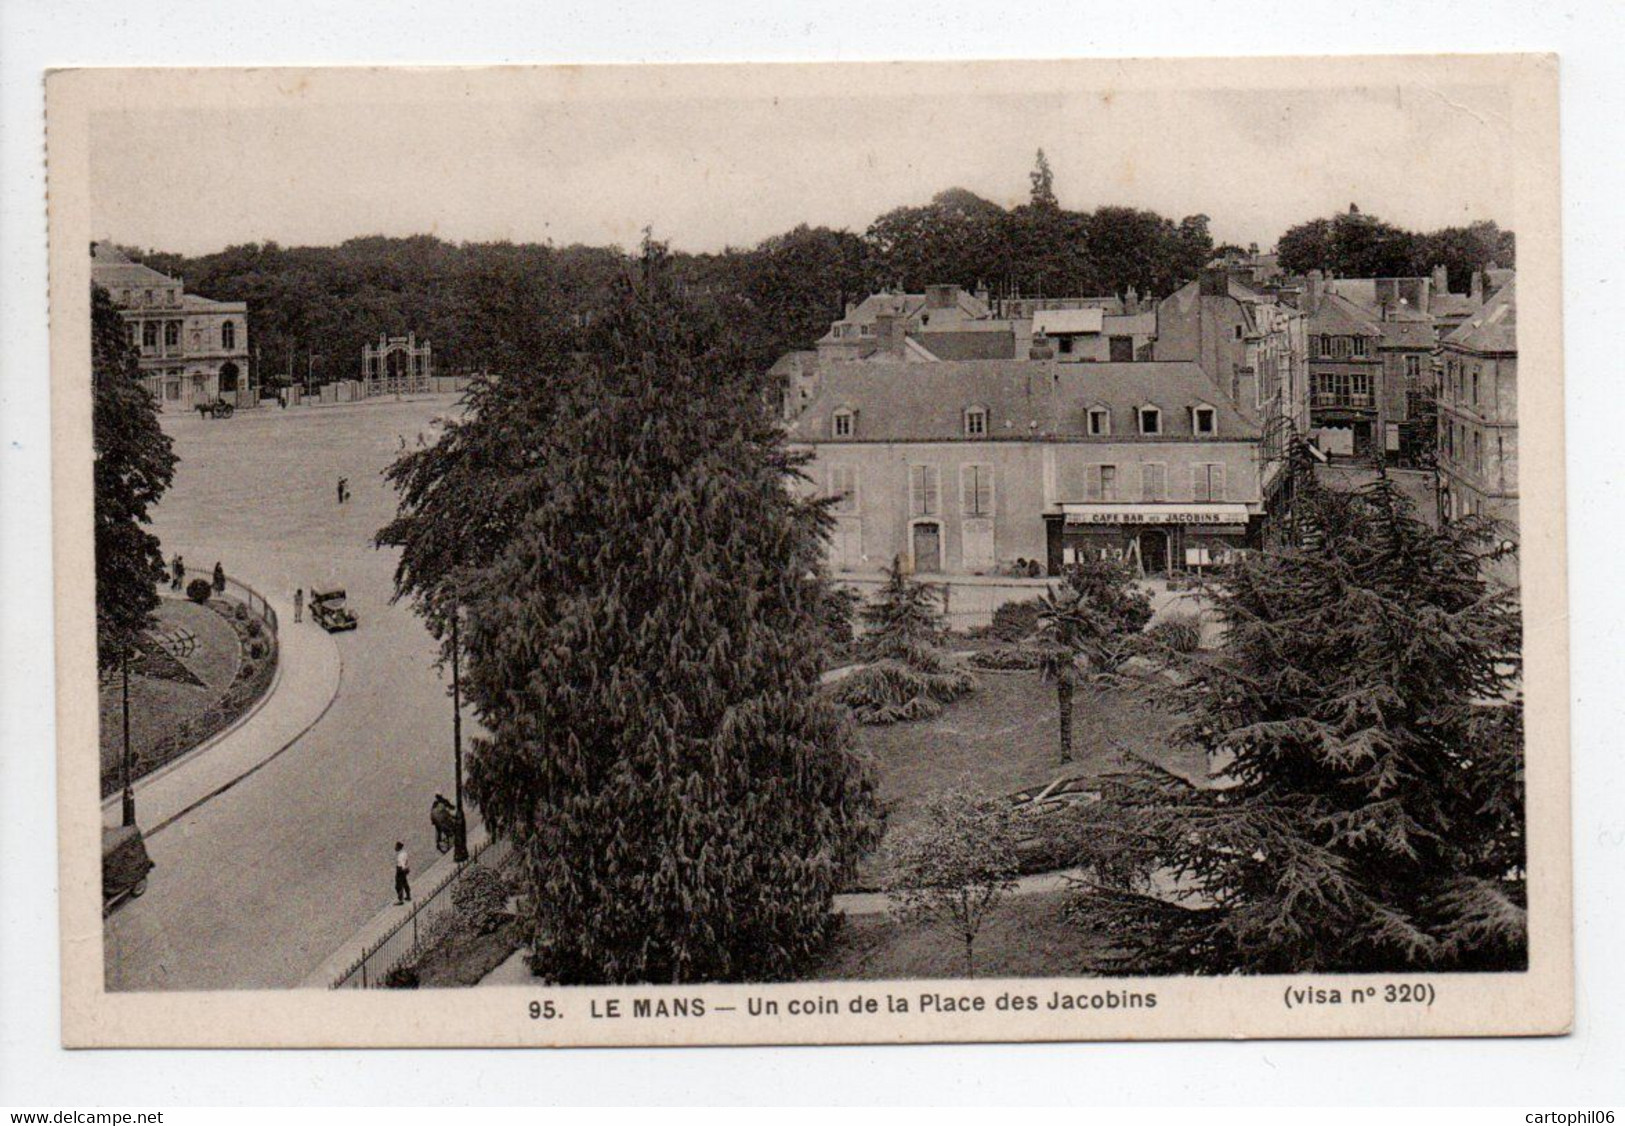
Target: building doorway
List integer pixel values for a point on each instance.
(1154, 551)
(228, 377)
(927, 548)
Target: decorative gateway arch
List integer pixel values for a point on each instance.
(397, 365)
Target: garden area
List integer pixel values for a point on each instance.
(201, 667)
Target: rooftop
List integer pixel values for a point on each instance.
(1024, 400)
(1494, 328)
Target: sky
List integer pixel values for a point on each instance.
(711, 164)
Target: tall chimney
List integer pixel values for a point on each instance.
(1317, 281)
(888, 334)
(1478, 287)
(941, 296)
(1441, 280)
(1215, 282)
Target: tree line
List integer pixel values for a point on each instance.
(1353, 244)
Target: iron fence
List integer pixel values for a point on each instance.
(405, 938)
(257, 603)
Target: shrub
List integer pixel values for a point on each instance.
(837, 608)
(401, 977)
(481, 899)
(1007, 657)
(254, 627)
(240, 612)
(257, 650)
(893, 691)
(199, 591)
(1015, 621)
(246, 671)
(1181, 632)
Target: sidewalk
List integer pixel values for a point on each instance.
(392, 915)
(307, 682)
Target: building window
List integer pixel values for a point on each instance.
(146, 297)
(1238, 332)
(1359, 345)
(1150, 420)
(1325, 348)
(1063, 344)
(1100, 422)
(1360, 388)
(1478, 452)
(1475, 387)
(1108, 482)
(228, 335)
(866, 330)
(845, 424)
(172, 334)
(976, 490)
(843, 486)
(1207, 482)
(1206, 420)
(976, 422)
(924, 490)
(1153, 481)
(149, 334)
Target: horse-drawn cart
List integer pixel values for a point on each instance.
(217, 409)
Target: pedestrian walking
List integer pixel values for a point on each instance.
(343, 489)
(403, 869)
(299, 604)
(219, 578)
(177, 571)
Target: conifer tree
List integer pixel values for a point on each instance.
(135, 463)
(643, 651)
(1364, 718)
(908, 676)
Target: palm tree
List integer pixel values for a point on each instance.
(1065, 625)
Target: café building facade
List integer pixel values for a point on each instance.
(989, 467)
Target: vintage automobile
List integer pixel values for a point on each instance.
(328, 610)
(125, 865)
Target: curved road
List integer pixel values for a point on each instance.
(255, 888)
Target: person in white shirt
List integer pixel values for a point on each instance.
(403, 890)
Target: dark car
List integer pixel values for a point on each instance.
(328, 609)
(125, 865)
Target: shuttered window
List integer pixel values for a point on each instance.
(976, 490)
(1207, 482)
(924, 490)
(1153, 481)
(843, 483)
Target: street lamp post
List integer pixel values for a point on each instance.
(129, 792)
(460, 838)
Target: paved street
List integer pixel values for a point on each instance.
(258, 886)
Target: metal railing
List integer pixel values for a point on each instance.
(405, 938)
(1342, 399)
(257, 603)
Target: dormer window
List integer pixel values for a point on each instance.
(866, 330)
(976, 422)
(845, 423)
(1204, 420)
(1150, 420)
(1100, 422)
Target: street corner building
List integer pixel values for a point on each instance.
(193, 350)
(977, 469)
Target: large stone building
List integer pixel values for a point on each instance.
(193, 349)
(1478, 416)
(971, 467)
(1346, 402)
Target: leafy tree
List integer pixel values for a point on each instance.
(135, 464)
(643, 650)
(1356, 244)
(1086, 628)
(1364, 719)
(955, 238)
(953, 864)
(909, 677)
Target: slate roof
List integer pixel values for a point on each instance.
(1494, 328)
(995, 342)
(1061, 321)
(192, 303)
(1338, 316)
(1407, 333)
(1025, 400)
(129, 275)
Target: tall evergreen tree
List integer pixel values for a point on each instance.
(1364, 717)
(134, 466)
(908, 677)
(644, 648)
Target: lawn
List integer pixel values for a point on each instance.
(1025, 937)
(205, 646)
(1005, 737)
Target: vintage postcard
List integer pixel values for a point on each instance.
(667, 555)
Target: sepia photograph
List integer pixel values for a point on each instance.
(817, 553)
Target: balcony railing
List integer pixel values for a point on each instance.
(1346, 400)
